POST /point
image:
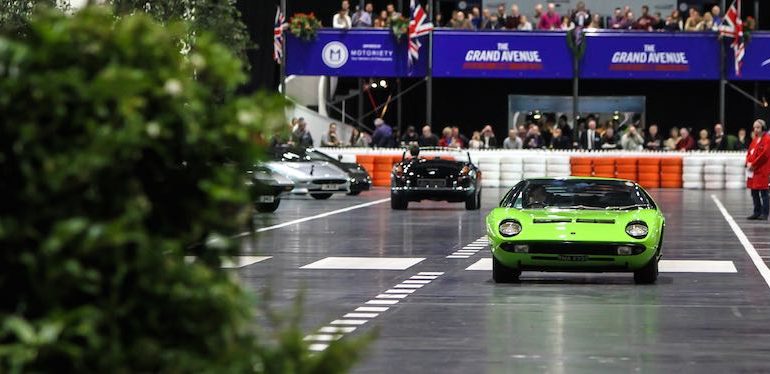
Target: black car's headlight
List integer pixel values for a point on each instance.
(509, 228)
(637, 229)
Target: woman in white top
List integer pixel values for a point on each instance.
(524, 25)
(342, 20)
(475, 142)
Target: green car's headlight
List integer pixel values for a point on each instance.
(637, 229)
(510, 228)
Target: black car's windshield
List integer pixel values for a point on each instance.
(588, 194)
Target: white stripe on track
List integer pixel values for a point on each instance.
(322, 215)
(753, 254)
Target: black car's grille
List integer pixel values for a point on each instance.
(329, 181)
(555, 248)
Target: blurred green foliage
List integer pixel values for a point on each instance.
(116, 153)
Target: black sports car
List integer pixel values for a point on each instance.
(435, 173)
(359, 179)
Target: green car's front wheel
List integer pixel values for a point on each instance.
(648, 274)
(502, 273)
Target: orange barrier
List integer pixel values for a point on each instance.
(581, 170)
(581, 166)
(626, 168)
(649, 172)
(383, 165)
(604, 167)
(671, 172)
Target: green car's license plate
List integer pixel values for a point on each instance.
(573, 258)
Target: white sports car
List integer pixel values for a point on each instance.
(320, 179)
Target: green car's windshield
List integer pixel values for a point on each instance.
(588, 194)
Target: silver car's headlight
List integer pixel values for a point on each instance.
(637, 229)
(510, 228)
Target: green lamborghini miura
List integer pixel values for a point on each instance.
(576, 224)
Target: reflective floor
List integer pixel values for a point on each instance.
(435, 315)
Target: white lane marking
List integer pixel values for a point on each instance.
(390, 296)
(372, 309)
(354, 322)
(408, 286)
(323, 337)
(695, 266)
(322, 215)
(239, 261)
(665, 266)
(423, 277)
(474, 246)
(431, 273)
(336, 329)
(758, 262)
(360, 315)
(410, 281)
(364, 263)
(465, 252)
(399, 291)
(483, 264)
(457, 256)
(382, 302)
(318, 347)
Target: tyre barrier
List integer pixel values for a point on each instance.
(505, 168)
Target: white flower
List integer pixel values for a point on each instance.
(153, 129)
(245, 117)
(173, 87)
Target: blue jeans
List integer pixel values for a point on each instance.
(761, 203)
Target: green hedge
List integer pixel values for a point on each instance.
(116, 153)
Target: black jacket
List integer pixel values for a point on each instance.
(430, 141)
(584, 140)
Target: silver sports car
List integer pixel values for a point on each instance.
(320, 179)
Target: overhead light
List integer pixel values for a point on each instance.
(536, 115)
(374, 84)
(383, 84)
(616, 115)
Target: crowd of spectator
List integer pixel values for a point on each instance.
(543, 18)
(542, 134)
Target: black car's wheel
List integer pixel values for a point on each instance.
(502, 273)
(398, 203)
(472, 202)
(267, 207)
(648, 274)
(354, 193)
(321, 196)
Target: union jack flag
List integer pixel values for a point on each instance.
(278, 35)
(732, 27)
(418, 26)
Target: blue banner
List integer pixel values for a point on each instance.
(354, 53)
(526, 55)
(503, 54)
(756, 58)
(661, 55)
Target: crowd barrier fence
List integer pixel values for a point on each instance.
(505, 168)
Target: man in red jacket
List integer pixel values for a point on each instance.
(758, 164)
(686, 143)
